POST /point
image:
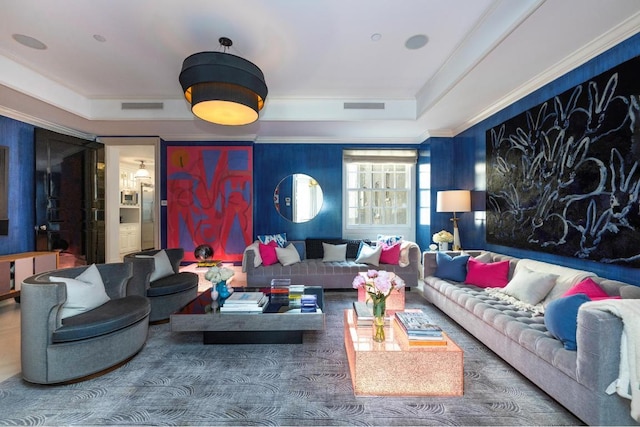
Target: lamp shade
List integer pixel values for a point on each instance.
(142, 172)
(453, 201)
(223, 88)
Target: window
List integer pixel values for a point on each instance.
(379, 193)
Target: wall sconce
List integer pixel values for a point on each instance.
(454, 201)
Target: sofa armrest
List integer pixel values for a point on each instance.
(598, 339)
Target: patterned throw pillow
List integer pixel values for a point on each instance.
(389, 240)
(280, 239)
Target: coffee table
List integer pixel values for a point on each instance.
(393, 368)
(277, 325)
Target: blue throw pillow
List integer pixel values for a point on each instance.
(561, 318)
(451, 268)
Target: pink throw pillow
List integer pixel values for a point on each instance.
(587, 287)
(492, 275)
(268, 253)
(390, 254)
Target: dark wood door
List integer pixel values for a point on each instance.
(69, 197)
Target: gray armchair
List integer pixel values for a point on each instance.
(167, 294)
(56, 350)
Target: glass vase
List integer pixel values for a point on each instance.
(443, 246)
(379, 308)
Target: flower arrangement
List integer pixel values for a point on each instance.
(443, 236)
(378, 285)
(218, 274)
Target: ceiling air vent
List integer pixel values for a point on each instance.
(364, 105)
(142, 105)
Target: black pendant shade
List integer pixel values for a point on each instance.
(223, 88)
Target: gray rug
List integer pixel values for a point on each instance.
(176, 380)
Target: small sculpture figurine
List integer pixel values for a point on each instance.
(203, 254)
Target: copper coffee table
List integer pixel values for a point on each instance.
(393, 368)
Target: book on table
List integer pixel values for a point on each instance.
(245, 298)
(418, 341)
(245, 302)
(418, 325)
(364, 314)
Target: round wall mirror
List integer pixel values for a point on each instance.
(298, 198)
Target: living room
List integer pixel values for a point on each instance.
(456, 160)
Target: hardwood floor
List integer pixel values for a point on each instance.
(9, 339)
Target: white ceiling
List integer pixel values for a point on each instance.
(316, 55)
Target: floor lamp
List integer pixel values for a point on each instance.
(454, 201)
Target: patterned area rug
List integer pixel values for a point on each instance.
(176, 380)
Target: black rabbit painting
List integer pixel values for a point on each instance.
(564, 176)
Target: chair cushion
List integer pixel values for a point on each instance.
(109, 317)
(172, 284)
(84, 293)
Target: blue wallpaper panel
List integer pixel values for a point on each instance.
(18, 137)
(618, 54)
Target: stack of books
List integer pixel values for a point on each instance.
(245, 302)
(418, 328)
(295, 295)
(364, 314)
(280, 291)
(308, 303)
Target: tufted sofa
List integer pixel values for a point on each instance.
(330, 275)
(56, 350)
(576, 379)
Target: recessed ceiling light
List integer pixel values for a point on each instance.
(99, 38)
(416, 42)
(29, 41)
(375, 37)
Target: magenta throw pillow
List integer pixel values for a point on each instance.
(390, 254)
(588, 287)
(492, 275)
(268, 253)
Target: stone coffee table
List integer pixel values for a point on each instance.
(277, 325)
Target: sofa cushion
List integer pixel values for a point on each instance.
(530, 286)
(84, 293)
(280, 239)
(451, 268)
(390, 254)
(485, 275)
(334, 253)
(268, 252)
(587, 287)
(112, 316)
(288, 255)
(369, 255)
(389, 240)
(172, 284)
(630, 292)
(314, 249)
(561, 318)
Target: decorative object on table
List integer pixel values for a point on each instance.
(443, 238)
(308, 303)
(218, 276)
(280, 291)
(433, 247)
(378, 285)
(203, 254)
(454, 201)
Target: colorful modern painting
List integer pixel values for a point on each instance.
(563, 177)
(210, 199)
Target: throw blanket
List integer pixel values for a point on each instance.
(628, 383)
(404, 253)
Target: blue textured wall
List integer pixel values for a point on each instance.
(474, 141)
(18, 137)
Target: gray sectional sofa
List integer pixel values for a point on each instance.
(330, 275)
(576, 379)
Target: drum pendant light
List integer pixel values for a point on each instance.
(223, 88)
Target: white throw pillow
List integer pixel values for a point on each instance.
(530, 286)
(369, 255)
(288, 255)
(334, 252)
(84, 293)
(257, 259)
(162, 265)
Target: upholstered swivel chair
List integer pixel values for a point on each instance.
(59, 346)
(158, 278)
